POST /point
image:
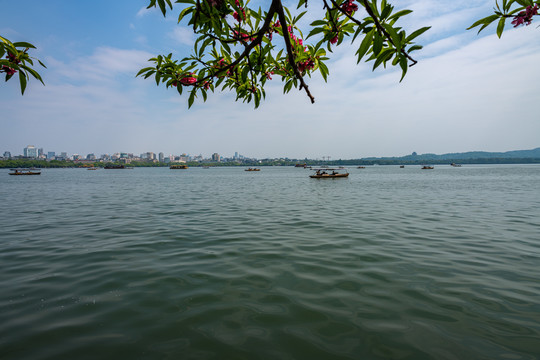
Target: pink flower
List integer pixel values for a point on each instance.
(349, 7)
(306, 65)
(8, 70)
(241, 36)
(525, 17)
(237, 16)
(188, 80)
(215, 3)
(11, 57)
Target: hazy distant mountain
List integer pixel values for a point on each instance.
(516, 154)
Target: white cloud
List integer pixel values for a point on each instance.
(183, 35)
(103, 65)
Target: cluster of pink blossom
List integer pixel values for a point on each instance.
(348, 7)
(273, 29)
(215, 3)
(306, 65)
(525, 17)
(237, 35)
(302, 65)
(186, 80)
(10, 71)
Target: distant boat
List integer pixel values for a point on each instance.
(252, 169)
(300, 165)
(427, 167)
(118, 166)
(176, 167)
(455, 165)
(401, 166)
(361, 167)
(327, 173)
(92, 168)
(21, 171)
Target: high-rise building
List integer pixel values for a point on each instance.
(216, 157)
(40, 152)
(30, 151)
(161, 157)
(50, 155)
(7, 155)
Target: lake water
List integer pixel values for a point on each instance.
(220, 263)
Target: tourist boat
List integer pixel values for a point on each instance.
(252, 169)
(427, 167)
(327, 173)
(455, 165)
(301, 165)
(176, 167)
(117, 166)
(31, 171)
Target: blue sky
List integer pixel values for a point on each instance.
(468, 92)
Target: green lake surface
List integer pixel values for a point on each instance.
(220, 263)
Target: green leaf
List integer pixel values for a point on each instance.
(399, 14)
(393, 35)
(364, 46)
(22, 81)
(500, 27)
(485, 21)
(191, 97)
(314, 32)
(377, 43)
(404, 67)
(318, 23)
(24, 45)
(324, 70)
(417, 33)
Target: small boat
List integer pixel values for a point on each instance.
(361, 167)
(31, 171)
(176, 167)
(427, 167)
(118, 166)
(401, 166)
(300, 165)
(455, 165)
(327, 173)
(92, 168)
(252, 169)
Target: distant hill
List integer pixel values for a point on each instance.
(471, 157)
(515, 154)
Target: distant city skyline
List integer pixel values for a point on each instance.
(31, 151)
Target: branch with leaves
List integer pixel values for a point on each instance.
(520, 11)
(14, 59)
(240, 48)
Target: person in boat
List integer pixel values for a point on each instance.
(334, 173)
(318, 172)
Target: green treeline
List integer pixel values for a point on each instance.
(26, 163)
